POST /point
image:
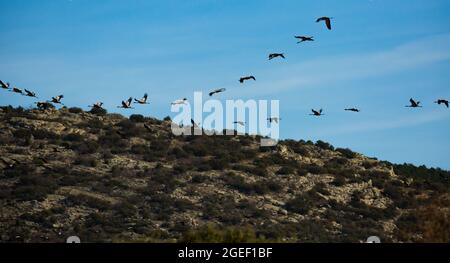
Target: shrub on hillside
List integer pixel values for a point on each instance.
(347, 153)
(75, 110)
(324, 145)
(137, 118)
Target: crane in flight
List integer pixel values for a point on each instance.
(239, 122)
(316, 113)
(241, 80)
(97, 105)
(327, 21)
(274, 119)
(143, 100)
(352, 109)
(57, 99)
(181, 101)
(442, 101)
(17, 90)
(303, 39)
(414, 104)
(216, 91)
(4, 85)
(126, 104)
(275, 55)
(30, 93)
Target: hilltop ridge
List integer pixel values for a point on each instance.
(108, 178)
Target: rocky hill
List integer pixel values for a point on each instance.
(107, 178)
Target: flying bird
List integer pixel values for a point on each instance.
(216, 91)
(304, 38)
(17, 90)
(241, 80)
(441, 101)
(126, 104)
(316, 113)
(275, 55)
(182, 101)
(57, 99)
(4, 85)
(143, 100)
(97, 105)
(327, 21)
(353, 109)
(414, 104)
(274, 119)
(239, 122)
(30, 93)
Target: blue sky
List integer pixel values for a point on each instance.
(378, 55)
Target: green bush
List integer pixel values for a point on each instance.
(98, 111)
(347, 153)
(75, 110)
(86, 160)
(324, 145)
(137, 118)
(215, 234)
(301, 204)
(285, 170)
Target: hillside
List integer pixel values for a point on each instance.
(107, 178)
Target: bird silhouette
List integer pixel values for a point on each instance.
(442, 101)
(241, 80)
(57, 99)
(30, 93)
(239, 122)
(414, 104)
(216, 91)
(181, 101)
(143, 100)
(304, 38)
(353, 109)
(275, 55)
(97, 105)
(327, 21)
(17, 90)
(316, 113)
(4, 85)
(126, 104)
(274, 119)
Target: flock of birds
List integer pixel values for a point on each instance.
(127, 104)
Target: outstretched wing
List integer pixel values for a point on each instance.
(328, 22)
